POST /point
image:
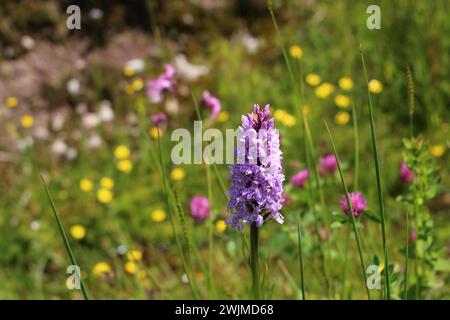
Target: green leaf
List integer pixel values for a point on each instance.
(373, 216)
(442, 265)
(336, 224)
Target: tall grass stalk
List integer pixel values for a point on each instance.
(185, 230)
(410, 84)
(349, 203)
(300, 257)
(64, 237)
(355, 187)
(356, 135)
(167, 197)
(379, 188)
(405, 284)
(211, 286)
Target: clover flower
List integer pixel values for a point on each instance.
(199, 208)
(327, 164)
(405, 173)
(158, 119)
(256, 191)
(211, 102)
(299, 179)
(164, 82)
(359, 204)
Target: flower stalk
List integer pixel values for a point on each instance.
(254, 261)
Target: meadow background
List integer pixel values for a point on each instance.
(73, 107)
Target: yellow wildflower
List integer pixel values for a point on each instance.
(128, 71)
(220, 226)
(381, 267)
(101, 268)
(125, 166)
(12, 102)
(324, 90)
(437, 150)
(289, 120)
(158, 215)
(342, 118)
(86, 185)
(177, 174)
(137, 84)
(142, 274)
(129, 89)
(104, 196)
(313, 79)
(134, 255)
(26, 121)
(122, 152)
(346, 83)
(153, 132)
(130, 267)
(223, 116)
(296, 52)
(77, 231)
(342, 101)
(279, 114)
(107, 183)
(375, 86)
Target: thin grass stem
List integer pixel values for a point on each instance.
(300, 257)
(379, 188)
(355, 228)
(64, 237)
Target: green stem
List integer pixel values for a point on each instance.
(349, 204)
(254, 263)
(405, 288)
(300, 253)
(167, 197)
(379, 189)
(356, 134)
(64, 237)
(212, 290)
(344, 270)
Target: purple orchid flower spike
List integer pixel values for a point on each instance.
(256, 192)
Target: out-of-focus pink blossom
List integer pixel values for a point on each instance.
(327, 164)
(199, 208)
(412, 236)
(406, 175)
(158, 119)
(211, 102)
(299, 179)
(164, 82)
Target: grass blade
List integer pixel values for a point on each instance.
(64, 236)
(379, 190)
(355, 229)
(356, 134)
(300, 253)
(172, 223)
